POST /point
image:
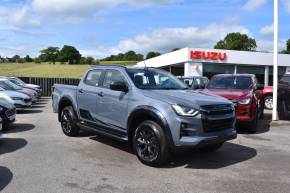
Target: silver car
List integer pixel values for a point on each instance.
(20, 100)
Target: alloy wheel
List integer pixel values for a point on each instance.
(147, 145)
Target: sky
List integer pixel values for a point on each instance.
(100, 28)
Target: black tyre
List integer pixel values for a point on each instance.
(150, 144)
(282, 111)
(268, 102)
(69, 122)
(212, 148)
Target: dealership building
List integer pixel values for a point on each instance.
(208, 62)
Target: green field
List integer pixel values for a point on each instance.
(49, 70)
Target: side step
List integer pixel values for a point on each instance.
(121, 136)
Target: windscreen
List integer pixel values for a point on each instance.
(155, 79)
(7, 85)
(230, 82)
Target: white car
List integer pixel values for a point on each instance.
(20, 100)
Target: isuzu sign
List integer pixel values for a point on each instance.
(208, 55)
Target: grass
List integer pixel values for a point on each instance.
(49, 70)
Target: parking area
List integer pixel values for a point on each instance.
(35, 156)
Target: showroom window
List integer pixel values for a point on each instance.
(259, 71)
(281, 72)
(210, 69)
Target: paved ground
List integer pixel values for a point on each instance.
(37, 157)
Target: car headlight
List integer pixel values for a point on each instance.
(245, 101)
(185, 111)
(1, 108)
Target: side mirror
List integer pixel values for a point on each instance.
(259, 87)
(119, 86)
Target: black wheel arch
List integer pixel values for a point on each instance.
(64, 102)
(142, 113)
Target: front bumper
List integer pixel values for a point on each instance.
(201, 133)
(8, 116)
(20, 104)
(244, 114)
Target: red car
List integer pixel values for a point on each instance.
(268, 95)
(245, 92)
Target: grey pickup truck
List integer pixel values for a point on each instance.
(148, 107)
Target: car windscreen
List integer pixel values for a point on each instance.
(15, 81)
(230, 82)
(155, 79)
(7, 85)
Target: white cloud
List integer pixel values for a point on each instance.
(267, 30)
(22, 50)
(19, 17)
(268, 45)
(163, 40)
(252, 5)
(85, 7)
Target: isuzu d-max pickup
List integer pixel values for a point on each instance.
(148, 107)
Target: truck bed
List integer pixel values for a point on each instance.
(60, 91)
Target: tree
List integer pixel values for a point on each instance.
(287, 51)
(237, 41)
(28, 59)
(130, 56)
(87, 60)
(49, 54)
(152, 55)
(175, 49)
(69, 54)
(16, 58)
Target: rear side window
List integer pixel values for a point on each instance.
(93, 77)
(113, 76)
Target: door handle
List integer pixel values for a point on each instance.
(101, 94)
(81, 91)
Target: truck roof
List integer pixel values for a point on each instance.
(119, 66)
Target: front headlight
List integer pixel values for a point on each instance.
(185, 111)
(245, 101)
(1, 108)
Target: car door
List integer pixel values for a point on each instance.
(113, 107)
(87, 95)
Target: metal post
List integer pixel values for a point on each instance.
(275, 62)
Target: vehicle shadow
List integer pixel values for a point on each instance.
(40, 103)
(29, 111)
(36, 106)
(263, 126)
(5, 177)
(229, 154)
(19, 127)
(8, 145)
(124, 146)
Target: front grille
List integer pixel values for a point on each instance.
(217, 109)
(217, 125)
(27, 100)
(10, 112)
(217, 117)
